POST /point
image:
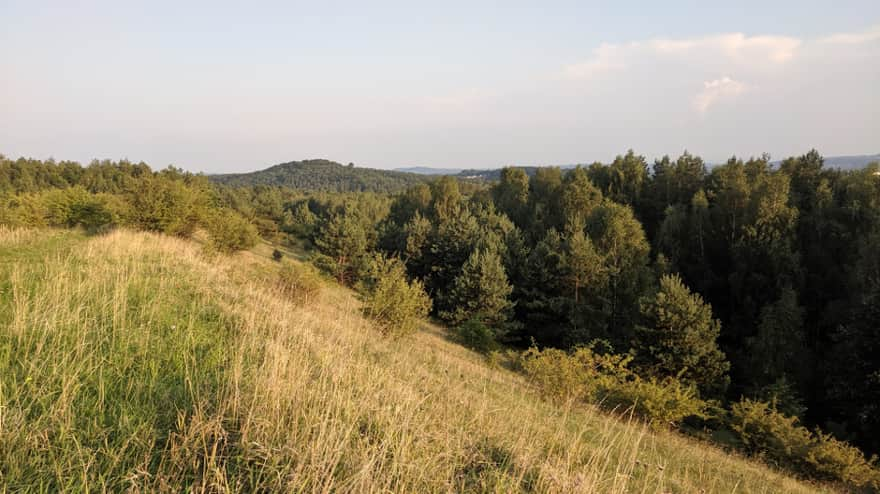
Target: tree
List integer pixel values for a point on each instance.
(778, 348)
(628, 178)
(579, 195)
(481, 290)
(343, 238)
(230, 232)
(511, 194)
(583, 262)
(620, 240)
(679, 338)
(168, 205)
(394, 303)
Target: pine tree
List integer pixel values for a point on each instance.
(344, 240)
(481, 290)
(679, 336)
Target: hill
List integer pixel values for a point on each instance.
(141, 363)
(851, 162)
(324, 175)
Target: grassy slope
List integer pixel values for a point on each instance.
(131, 361)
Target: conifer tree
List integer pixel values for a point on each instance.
(481, 290)
(679, 336)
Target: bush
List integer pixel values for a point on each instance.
(230, 232)
(474, 334)
(765, 431)
(661, 402)
(556, 374)
(299, 282)
(837, 460)
(92, 215)
(395, 304)
(172, 207)
(606, 380)
(277, 255)
(68, 208)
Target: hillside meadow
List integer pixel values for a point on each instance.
(137, 362)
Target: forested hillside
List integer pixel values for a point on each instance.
(324, 175)
(746, 281)
(738, 304)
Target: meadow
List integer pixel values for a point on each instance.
(138, 362)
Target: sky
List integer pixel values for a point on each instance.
(221, 87)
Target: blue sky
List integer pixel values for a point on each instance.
(221, 87)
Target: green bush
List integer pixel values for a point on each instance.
(172, 207)
(230, 232)
(474, 334)
(299, 282)
(67, 208)
(395, 304)
(660, 402)
(606, 380)
(577, 375)
(277, 255)
(765, 431)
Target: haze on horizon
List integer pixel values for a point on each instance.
(219, 87)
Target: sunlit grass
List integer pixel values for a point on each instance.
(132, 361)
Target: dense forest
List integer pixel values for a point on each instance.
(754, 285)
(783, 261)
(324, 175)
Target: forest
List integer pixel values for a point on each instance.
(744, 298)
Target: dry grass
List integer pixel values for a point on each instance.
(132, 362)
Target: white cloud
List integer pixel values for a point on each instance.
(735, 46)
(715, 90)
(607, 57)
(868, 36)
(731, 49)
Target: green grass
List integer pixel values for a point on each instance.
(133, 362)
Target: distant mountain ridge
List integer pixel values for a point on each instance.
(851, 162)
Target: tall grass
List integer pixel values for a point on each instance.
(132, 362)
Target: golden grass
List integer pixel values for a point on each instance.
(133, 362)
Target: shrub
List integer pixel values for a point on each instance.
(474, 334)
(92, 215)
(70, 208)
(605, 379)
(395, 304)
(837, 460)
(555, 373)
(230, 232)
(299, 282)
(660, 402)
(763, 430)
(277, 255)
(578, 375)
(172, 207)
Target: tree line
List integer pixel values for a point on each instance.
(106, 194)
